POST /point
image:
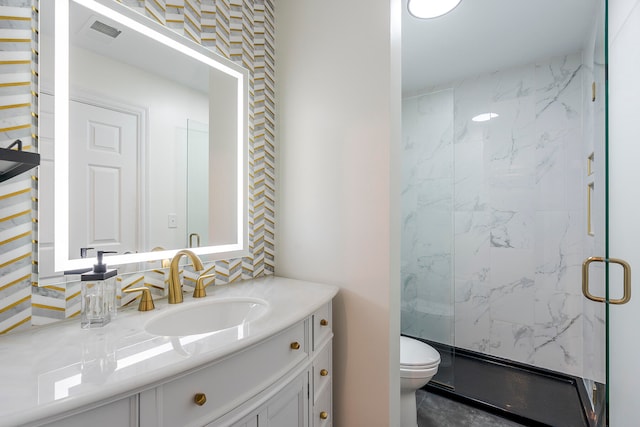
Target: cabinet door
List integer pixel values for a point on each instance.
(290, 407)
(121, 413)
(251, 421)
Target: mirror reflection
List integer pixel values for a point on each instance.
(150, 116)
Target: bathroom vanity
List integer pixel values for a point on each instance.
(263, 360)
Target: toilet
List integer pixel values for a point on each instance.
(418, 364)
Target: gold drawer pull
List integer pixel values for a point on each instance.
(295, 345)
(324, 322)
(324, 373)
(200, 399)
(324, 415)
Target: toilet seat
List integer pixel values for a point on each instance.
(415, 355)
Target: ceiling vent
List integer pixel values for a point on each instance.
(105, 29)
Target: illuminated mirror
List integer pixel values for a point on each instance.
(121, 99)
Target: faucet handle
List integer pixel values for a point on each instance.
(199, 291)
(146, 302)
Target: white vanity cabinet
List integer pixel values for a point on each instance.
(121, 413)
(201, 397)
(288, 408)
(272, 372)
(322, 368)
(284, 381)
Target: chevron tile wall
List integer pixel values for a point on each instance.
(241, 30)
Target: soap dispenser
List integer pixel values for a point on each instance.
(98, 295)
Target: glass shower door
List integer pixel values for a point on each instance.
(504, 193)
(428, 225)
(597, 266)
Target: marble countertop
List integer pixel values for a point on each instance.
(60, 367)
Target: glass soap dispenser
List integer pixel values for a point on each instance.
(98, 295)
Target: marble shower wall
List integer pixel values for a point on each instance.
(494, 216)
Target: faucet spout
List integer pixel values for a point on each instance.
(175, 286)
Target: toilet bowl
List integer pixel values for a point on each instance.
(418, 364)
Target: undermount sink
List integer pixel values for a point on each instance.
(217, 315)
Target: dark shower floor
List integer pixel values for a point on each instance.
(523, 393)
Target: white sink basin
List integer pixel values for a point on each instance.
(217, 315)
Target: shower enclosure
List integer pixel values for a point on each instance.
(504, 191)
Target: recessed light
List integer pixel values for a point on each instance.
(484, 117)
(426, 9)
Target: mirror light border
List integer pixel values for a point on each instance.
(132, 19)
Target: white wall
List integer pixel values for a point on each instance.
(338, 100)
(624, 227)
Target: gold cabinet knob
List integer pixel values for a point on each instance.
(324, 322)
(200, 399)
(295, 345)
(324, 373)
(146, 302)
(324, 415)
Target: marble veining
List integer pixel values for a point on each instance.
(493, 214)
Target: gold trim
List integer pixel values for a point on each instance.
(7, 40)
(72, 296)
(55, 288)
(9, 129)
(47, 307)
(191, 36)
(19, 236)
(133, 283)
(15, 84)
(16, 215)
(192, 23)
(15, 282)
(20, 258)
(16, 62)
(15, 304)
(7, 107)
(77, 313)
(153, 14)
(14, 18)
(163, 8)
(22, 322)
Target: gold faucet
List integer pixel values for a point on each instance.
(175, 286)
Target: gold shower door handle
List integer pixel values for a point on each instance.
(626, 268)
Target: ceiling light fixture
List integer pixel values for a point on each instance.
(426, 9)
(484, 117)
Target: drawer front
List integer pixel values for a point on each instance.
(322, 371)
(321, 325)
(221, 387)
(122, 412)
(323, 410)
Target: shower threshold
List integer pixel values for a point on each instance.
(523, 393)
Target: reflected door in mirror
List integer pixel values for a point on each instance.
(103, 197)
